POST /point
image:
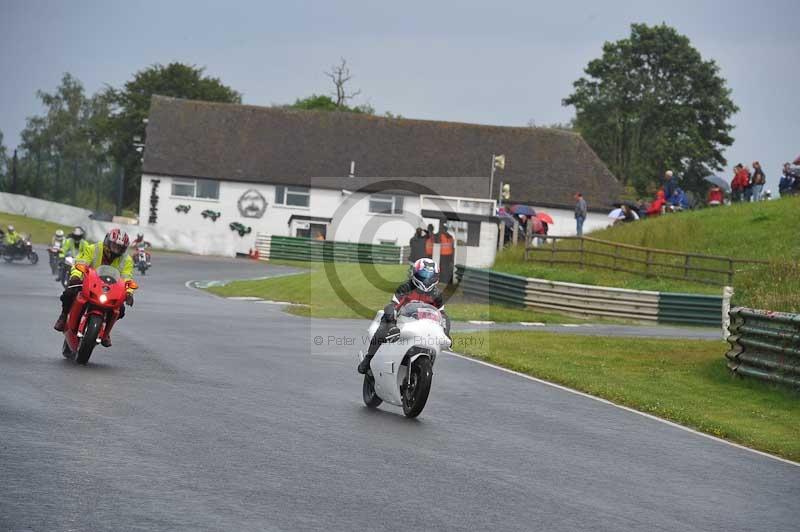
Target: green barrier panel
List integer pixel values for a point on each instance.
(690, 309)
(765, 345)
(495, 287)
(304, 249)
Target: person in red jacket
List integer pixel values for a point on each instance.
(715, 197)
(658, 204)
(740, 182)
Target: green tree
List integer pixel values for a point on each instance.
(651, 103)
(131, 104)
(58, 154)
(317, 102)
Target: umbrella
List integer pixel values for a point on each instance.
(719, 181)
(523, 209)
(506, 218)
(546, 218)
(796, 161)
(616, 213)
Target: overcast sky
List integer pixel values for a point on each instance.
(484, 62)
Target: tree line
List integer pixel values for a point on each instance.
(648, 104)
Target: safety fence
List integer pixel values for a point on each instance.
(648, 262)
(306, 249)
(765, 345)
(594, 301)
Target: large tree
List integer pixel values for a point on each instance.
(651, 103)
(131, 105)
(60, 153)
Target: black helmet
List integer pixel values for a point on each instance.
(78, 233)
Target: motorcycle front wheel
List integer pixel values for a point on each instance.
(415, 394)
(89, 340)
(371, 398)
(33, 257)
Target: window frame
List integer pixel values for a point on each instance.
(396, 204)
(194, 184)
(284, 192)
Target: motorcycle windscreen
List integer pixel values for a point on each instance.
(108, 274)
(420, 311)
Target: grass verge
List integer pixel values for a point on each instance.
(344, 290)
(41, 232)
(684, 382)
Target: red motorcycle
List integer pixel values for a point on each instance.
(95, 310)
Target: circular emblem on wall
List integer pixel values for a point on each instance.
(252, 204)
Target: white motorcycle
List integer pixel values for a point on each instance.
(422, 337)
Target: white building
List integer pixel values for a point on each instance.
(218, 174)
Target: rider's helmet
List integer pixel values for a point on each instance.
(78, 233)
(10, 228)
(59, 234)
(425, 274)
(139, 237)
(116, 242)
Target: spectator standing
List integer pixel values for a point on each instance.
(670, 184)
(758, 181)
(581, 210)
(446, 254)
(430, 239)
(747, 193)
(417, 246)
(740, 179)
(787, 182)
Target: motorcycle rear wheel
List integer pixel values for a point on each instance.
(416, 394)
(89, 340)
(371, 398)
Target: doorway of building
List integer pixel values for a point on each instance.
(313, 231)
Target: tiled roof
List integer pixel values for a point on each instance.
(277, 145)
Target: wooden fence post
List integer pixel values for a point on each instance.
(731, 271)
(581, 255)
(552, 251)
(649, 261)
(686, 267)
(515, 233)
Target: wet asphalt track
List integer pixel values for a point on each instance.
(209, 414)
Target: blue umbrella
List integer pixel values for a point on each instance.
(506, 218)
(523, 210)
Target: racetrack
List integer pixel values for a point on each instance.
(210, 414)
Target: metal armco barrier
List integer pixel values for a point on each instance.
(589, 300)
(765, 345)
(305, 249)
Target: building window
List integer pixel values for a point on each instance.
(385, 204)
(292, 196)
(465, 233)
(196, 188)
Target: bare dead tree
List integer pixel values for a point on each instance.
(340, 75)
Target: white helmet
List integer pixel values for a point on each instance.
(59, 233)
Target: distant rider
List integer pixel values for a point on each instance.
(140, 242)
(12, 237)
(422, 287)
(110, 252)
(75, 243)
(58, 239)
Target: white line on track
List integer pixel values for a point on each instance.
(606, 401)
(479, 322)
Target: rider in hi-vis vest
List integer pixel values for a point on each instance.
(110, 252)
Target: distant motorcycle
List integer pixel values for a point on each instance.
(55, 261)
(65, 267)
(142, 259)
(401, 371)
(94, 312)
(23, 250)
